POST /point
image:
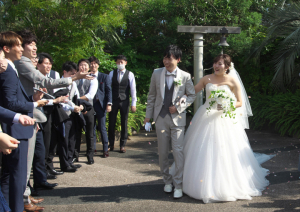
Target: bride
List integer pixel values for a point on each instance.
(219, 162)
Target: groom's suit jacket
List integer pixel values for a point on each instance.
(157, 93)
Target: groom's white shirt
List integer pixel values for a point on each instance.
(157, 94)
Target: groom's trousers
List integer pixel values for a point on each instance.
(167, 132)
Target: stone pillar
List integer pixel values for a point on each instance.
(198, 67)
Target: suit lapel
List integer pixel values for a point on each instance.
(176, 87)
(163, 82)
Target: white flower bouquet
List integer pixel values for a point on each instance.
(224, 98)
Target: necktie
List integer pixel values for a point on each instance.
(80, 83)
(120, 76)
(80, 87)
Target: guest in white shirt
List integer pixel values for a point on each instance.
(66, 145)
(123, 81)
(87, 90)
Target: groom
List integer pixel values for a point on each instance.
(167, 86)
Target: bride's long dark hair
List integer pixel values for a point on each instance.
(227, 60)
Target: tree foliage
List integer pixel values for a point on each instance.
(151, 25)
(283, 29)
(67, 29)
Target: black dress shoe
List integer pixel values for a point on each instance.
(90, 162)
(34, 192)
(75, 160)
(54, 172)
(44, 185)
(76, 166)
(50, 176)
(69, 169)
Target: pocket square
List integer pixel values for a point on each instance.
(101, 82)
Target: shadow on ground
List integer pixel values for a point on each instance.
(281, 205)
(117, 194)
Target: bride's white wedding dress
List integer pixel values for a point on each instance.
(219, 162)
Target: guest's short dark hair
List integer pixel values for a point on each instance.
(69, 66)
(84, 60)
(27, 36)
(94, 59)
(9, 39)
(42, 56)
(174, 51)
(120, 57)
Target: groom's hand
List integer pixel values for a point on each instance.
(172, 109)
(146, 120)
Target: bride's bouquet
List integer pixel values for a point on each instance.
(224, 98)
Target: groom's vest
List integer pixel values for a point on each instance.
(167, 101)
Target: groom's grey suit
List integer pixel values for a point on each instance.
(170, 127)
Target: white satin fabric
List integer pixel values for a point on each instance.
(219, 162)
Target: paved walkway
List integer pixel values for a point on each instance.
(132, 181)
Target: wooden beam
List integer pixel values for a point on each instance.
(208, 29)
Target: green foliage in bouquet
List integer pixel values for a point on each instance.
(228, 105)
(281, 109)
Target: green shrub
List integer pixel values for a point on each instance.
(281, 109)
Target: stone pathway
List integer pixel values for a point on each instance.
(132, 181)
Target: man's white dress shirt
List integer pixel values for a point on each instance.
(131, 82)
(170, 77)
(93, 89)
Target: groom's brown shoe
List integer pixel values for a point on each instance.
(122, 150)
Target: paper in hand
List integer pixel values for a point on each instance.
(148, 127)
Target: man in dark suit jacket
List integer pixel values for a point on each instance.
(102, 102)
(14, 97)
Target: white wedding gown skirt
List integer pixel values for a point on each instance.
(219, 162)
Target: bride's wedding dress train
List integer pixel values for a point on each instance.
(219, 162)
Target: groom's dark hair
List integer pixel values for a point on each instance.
(173, 50)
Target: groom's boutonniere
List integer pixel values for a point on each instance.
(177, 81)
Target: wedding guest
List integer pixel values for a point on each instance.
(30, 77)
(44, 65)
(8, 143)
(34, 61)
(102, 104)
(122, 81)
(87, 90)
(14, 97)
(66, 144)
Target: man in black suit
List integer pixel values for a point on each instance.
(102, 103)
(122, 81)
(14, 97)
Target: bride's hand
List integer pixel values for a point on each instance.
(219, 107)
